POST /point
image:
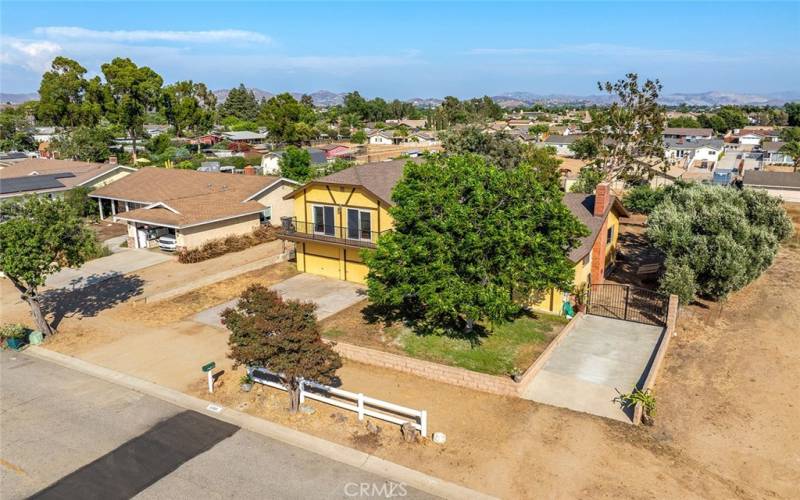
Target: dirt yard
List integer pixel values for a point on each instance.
(727, 424)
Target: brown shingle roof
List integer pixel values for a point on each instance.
(186, 197)
(378, 178)
(152, 185)
(688, 131)
(762, 179)
(582, 206)
(83, 171)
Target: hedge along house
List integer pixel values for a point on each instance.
(53, 178)
(596, 253)
(338, 216)
(194, 206)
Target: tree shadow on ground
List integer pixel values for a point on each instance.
(635, 250)
(104, 293)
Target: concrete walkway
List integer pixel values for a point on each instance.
(330, 295)
(99, 270)
(597, 358)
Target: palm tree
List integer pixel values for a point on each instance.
(792, 149)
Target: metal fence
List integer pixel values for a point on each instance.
(354, 235)
(628, 303)
(356, 402)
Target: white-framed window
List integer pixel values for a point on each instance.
(324, 220)
(266, 215)
(359, 224)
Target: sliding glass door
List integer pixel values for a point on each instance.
(324, 220)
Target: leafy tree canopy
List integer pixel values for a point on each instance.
(627, 135)
(288, 120)
(471, 242)
(16, 131)
(41, 237)
(189, 106)
(295, 164)
(282, 336)
(133, 91)
(240, 103)
(683, 122)
(719, 238)
(84, 143)
(793, 113)
(67, 98)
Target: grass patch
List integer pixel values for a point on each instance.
(512, 346)
(509, 347)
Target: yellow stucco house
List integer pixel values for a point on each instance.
(339, 215)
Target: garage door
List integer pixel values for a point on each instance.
(357, 272)
(324, 266)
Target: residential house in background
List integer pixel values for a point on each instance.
(52, 178)
(562, 143)
(270, 162)
(784, 185)
(687, 133)
(245, 136)
(44, 134)
(193, 207)
(333, 151)
(384, 137)
(697, 153)
(773, 155)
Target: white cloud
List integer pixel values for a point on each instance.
(211, 36)
(34, 55)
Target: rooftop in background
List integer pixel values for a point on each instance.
(53, 175)
(717, 144)
(183, 198)
(700, 132)
(762, 179)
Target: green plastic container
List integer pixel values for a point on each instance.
(36, 337)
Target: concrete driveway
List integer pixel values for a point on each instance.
(330, 295)
(597, 358)
(104, 268)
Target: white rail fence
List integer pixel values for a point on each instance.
(353, 401)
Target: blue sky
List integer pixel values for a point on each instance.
(415, 49)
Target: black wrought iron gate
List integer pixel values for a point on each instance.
(628, 303)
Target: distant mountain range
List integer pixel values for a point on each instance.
(326, 98)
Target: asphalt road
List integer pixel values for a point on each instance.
(64, 434)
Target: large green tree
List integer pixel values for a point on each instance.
(132, 91)
(40, 237)
(793, 113)
(189, 107)
(287, 120)
(295, 164)
(241, 103)
(499, 148)
(67, 98)
(84, 143)
(683, 122)
(716, 239)
(627, 135)
(792, 149)
(471, 242)
(281, 336)
(16, 131)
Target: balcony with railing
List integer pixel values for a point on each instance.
(294, 230)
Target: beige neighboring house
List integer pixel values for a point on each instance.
(52, 178)
(193, 207)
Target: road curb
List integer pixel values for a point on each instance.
(358, 459)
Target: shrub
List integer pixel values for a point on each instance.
(642, 199)
(680, 280)
(13, 331)
(221, 246)
(725, 236)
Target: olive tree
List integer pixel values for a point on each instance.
(716, 239)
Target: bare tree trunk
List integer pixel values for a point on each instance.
(294, 395)
(31, 296)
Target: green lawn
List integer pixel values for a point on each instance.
(509, 346)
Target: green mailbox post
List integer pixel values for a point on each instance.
(207, 368)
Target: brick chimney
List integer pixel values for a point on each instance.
(602, 198)
(112, 160)
(249, 170)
